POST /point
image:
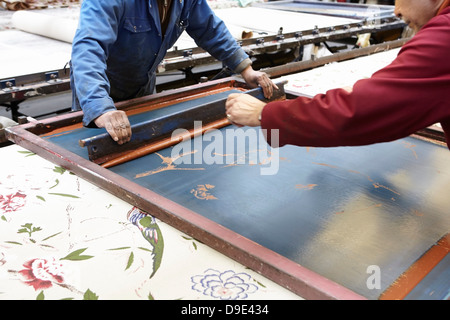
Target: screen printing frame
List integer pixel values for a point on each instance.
(272, 265)
(287, 273)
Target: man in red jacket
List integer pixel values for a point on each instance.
(410, 94)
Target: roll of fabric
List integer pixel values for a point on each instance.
(6, 122)
(54, 27)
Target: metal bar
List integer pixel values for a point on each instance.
(102, 148)
(16, 93)
(338, 31)
(341, 56)
(33, 78)
(164, 143)
(175, 60)
(50, 125)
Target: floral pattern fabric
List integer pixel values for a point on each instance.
(64, 238)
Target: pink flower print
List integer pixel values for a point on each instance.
(42, 273)
(12, 202)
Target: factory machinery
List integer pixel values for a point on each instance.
(187, 66)
(324, 225)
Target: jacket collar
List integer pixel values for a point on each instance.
(444, 5)
(175, 9)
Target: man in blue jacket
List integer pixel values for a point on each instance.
(119, 44)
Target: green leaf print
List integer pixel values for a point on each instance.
(75, 255)
(130, 260)
(89, 295)
(40, 296)
(63, 195)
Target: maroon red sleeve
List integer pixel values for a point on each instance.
(413, 92)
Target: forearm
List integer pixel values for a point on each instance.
(88, 61)
(375, 111)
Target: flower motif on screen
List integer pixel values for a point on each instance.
(203, 192)
(42, 273)
(12, 202)
(227, 285)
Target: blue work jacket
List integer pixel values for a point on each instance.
(118, 46)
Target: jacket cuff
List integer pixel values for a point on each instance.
(238, 61)
(244, 64)
(95, 109)
(270, 130)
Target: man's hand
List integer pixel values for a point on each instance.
(257, 78)
(243, 109)
(117, 124)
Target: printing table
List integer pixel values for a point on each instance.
(337, 223)
(64, 214)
